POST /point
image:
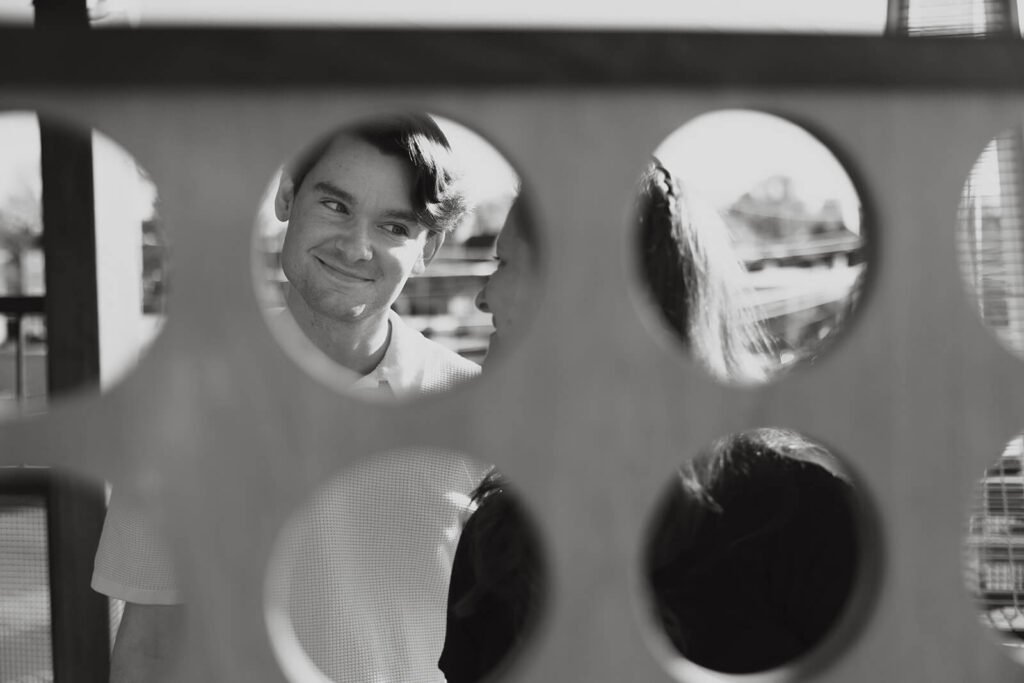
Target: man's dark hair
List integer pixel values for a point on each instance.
(438, 198)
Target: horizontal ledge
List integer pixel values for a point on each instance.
(164, 58)
(22, 305)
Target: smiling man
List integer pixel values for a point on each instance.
(366, 208)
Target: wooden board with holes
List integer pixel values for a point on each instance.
(223, 435)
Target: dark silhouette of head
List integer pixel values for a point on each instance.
(753, 552)
(497, 585)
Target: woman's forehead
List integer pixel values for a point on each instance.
(511, 240)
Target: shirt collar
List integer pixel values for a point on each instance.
(401, 370)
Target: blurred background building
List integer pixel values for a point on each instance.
(991, 237)
(804, 263)
(955, 18)
(994, 547)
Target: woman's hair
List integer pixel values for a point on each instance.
(695, 276)
(753, 551)
(439, 198)
(497, 585)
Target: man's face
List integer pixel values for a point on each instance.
(353, 238)
(508, 292)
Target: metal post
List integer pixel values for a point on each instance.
(19, 357)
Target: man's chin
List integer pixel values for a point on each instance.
(343, 313)
(350, 313)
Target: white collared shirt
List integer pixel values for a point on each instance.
(411, 364)
(401, 370)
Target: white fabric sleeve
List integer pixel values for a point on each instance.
(133, 562)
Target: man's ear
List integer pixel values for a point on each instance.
(285, 197)
(434, 241)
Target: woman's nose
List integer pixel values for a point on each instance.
(481, 300)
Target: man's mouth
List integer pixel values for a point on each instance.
(341, 272)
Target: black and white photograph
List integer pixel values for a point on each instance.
(410, 342)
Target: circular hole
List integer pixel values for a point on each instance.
(373, 246)
(994, 548)
(415, 565)
(989, 237)
(751, 555)
(750, 242)
(82, 262)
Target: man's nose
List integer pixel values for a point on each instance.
(481, 299)
(354, 242)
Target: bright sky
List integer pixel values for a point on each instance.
(488, 174)
(832, 16)
(723, 154)
(19, 165)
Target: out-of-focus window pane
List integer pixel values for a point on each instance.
(991, 237)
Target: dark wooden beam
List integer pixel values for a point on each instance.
(75, 510)
(162, 59)
(69, 248)
(22, 305)
(25, 481)
(81, 616)
(62, 13)
(81, 641)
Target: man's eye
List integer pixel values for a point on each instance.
(396, 229)
(335, 206)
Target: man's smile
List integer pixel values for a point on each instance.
(341, 273)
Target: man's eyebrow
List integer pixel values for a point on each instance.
(334, 190)
(326, 187)
(406, 215)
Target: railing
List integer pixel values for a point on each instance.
(14, 309)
